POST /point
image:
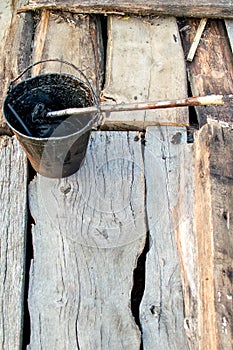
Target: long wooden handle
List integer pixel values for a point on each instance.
(190, 101)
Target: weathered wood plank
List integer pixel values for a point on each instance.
(213, 205)
(212, 69)
(15, 38)
(141, 67)
(13, 222)
(71, 37)
(39, 40)
(182, 8)
(183, 215)
(229, 27)
(90, 228)
(161, 310)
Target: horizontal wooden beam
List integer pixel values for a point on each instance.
(178, 8)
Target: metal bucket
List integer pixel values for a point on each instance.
(55, 148)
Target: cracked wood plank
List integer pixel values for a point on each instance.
(89, 230)
(211, 71)
(161, 310)
(183, 215)
(208, 8)
(15, 38)
(141, 67)
(13, 222)
(213, 203)
(71, 37)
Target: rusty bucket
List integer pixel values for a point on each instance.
(55, 147)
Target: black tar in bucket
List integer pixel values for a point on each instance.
(55, 147)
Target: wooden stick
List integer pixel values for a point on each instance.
(197, 39)
(190, 101)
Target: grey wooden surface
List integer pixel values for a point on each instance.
(204, 8)
(186, 242)
(13, 223)
(90, 229)
(161, 310)
(142, 68)
(73, 38)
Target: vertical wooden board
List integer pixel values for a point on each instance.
(183, 215)
(203, 228)
(16, 39)
(145, 62)
(89, 230)
(161, 310)
(221, 173)
(211, 71)
(5, 19)
(213, 215)
(13, 222)
(71, 37)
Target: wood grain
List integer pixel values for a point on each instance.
(221, 174)
(161, 310)
(183, 215)
(212, 223)
(73, 38)
(90, 229)
(39, 40)
(141, 67)
(15, 38)
(13, 221)
(204, 8)
(211, 71)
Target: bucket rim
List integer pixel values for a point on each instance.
(86, 128)
(13, 86)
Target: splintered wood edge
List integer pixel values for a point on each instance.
(203, 223)
(177, 10)
(39, 40)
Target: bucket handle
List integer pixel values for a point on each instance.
(86, 80)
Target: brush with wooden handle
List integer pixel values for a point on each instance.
(122, 107)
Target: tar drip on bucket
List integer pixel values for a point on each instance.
(55, 147)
